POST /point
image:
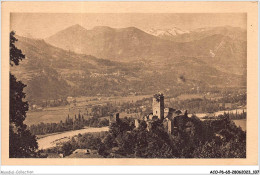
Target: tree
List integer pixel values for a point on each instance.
(67, 148)
(21, 142)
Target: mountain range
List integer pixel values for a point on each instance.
(166, 33)
(178, 35)
(106, 60)
(222, 46)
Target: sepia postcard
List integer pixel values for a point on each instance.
(129, 83)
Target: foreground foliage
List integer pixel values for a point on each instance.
(21, 142)
(192, 138)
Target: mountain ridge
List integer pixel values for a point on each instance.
(80, 74)
(132, 44)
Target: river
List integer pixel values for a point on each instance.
(241, 122)
(200, 115)
(51, 140)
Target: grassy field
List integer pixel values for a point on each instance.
(50, 115)
(56, 114)
(189, 96)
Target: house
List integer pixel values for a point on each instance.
(228, 105)
(70, 99)
(84, 153)
(220, 104)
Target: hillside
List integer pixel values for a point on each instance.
(52, 73)
(125, 44)
(225, 47)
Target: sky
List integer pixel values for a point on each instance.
(43, 25)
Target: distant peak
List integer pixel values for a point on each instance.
(71, 29)
(131, 29)
(76, 26)
(167, 31)
(110, 28)
(102, 28)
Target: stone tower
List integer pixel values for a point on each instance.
(158, 105)
(114, 118)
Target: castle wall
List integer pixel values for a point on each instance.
(114, 118)
(168, 126)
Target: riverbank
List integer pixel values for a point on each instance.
(51, 140)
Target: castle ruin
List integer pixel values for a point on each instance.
(160, 113)
(165, 115)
